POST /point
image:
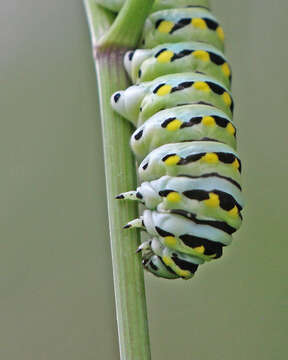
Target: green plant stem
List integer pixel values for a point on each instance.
(127, 27)
(120, 176)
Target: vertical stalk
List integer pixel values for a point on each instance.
(120, 176)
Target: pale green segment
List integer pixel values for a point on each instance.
(115, 5)
(153, 36)
(179, 225)
(150, 192)
(138, 102)
(153, 103)
(157, 168)
(154, 135)
(202, 211)
(150, 189)
(150, 66)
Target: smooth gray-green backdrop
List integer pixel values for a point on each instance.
(55, 267)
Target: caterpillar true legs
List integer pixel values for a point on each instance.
(189, 170)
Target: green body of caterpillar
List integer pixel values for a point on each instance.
(207, 196)
(183, 123)
(141, 101)
(185, 143)
(170, 58)
(189, 24)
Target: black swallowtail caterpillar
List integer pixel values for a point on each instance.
(185, 142)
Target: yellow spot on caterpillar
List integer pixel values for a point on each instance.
(235, 164)
(208, 121)
(210, 158)
(220, 33)
(165, 26)
(174, 125)
(174, 196)
(234, 211)
(227, 98)
(199, 23)
(202, 55)
(213, 200)
(230, 128)
(201, 85)
(184, 273)
(167, 261)
(200, 249)
(165, 56)
(226, 69)
(170, 241)
(164, 90)
(172, 160)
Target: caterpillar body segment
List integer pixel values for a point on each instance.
(185, 142)
(191, 24)
(193, 158)
(139, 102)
(192, 237)
(207, 198)
(183, 123)
(170, 58)
(152, 193)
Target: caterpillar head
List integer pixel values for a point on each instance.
(133, 60)
(127, 102)
(128, 59)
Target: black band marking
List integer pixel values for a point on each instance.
(211, 24)
(183, 264)
(167, 122)
(213, 174)
(162, 232)
(221, 225)
(158, 87)
(180, 24)
(211, 247)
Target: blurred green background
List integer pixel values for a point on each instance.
(55, 267)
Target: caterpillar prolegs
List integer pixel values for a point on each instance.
(185, 143)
